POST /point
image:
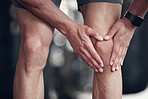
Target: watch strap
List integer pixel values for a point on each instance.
(129, 16)
(135, 19)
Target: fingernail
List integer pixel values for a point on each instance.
(101, 70)
(96, 70)
(111, 63)
(101, 65)
(100, 37)
(113, 69)
(117, 67)
(106, 37)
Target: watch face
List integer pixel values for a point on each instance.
(137, 20)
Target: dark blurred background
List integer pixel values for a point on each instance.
(66, 76)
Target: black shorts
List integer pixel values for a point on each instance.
(79, 2)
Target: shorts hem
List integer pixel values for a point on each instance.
(93, 1)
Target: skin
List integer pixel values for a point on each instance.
(122, 32)
(78, 35)
(106, 85)
(36, 34)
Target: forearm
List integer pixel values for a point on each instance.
(139, 7)
(50, 13)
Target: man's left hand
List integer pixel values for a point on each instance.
(121, 32)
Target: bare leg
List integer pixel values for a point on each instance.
(101, 16)
(36, 36)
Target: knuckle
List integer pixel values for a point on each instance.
(82, 43)
(93, 55)
(81, 49)
(97, 58)
(91, 59)
(86, 44)
(88, 29)
(99, 61)
(95, 64)
(98, 67)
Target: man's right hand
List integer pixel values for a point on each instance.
(78, 35)
(79, 38)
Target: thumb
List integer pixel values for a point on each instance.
(94, 34)
(111, 33)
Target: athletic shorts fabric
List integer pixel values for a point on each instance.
(79, 2)
(17, 4)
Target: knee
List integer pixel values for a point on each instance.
(34, 54)
(32, 45)
(104, 49)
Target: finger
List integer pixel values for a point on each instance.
(120, 61)
(123, 55)
(114, 68)
(114, 53)
(96, 70)
(84, 59)
(117, 60)
(94, 34)
(86, 53)
(111, 33)
(120, 58)
(94, 54)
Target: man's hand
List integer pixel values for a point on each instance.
(122, 31)
(78, 35)
(79, 38)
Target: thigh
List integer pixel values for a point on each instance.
(32, 28)
(101, 15)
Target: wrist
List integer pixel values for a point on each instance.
(128, 23)
(66, 27)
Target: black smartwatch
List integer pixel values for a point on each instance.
(135, 19)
